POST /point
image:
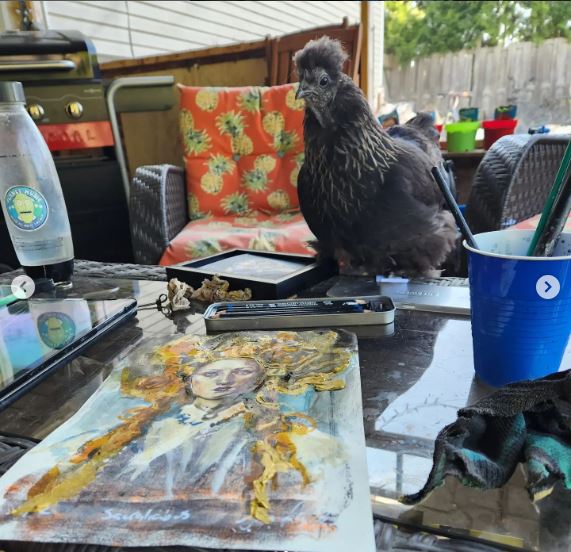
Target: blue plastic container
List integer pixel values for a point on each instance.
(521, 307)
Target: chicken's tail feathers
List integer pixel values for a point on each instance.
(449, 171)
(425, 123)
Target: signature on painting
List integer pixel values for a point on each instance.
(150, 514)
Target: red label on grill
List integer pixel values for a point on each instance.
(96, 134)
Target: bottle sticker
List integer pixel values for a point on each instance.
(56, 329)
(27, 208)
(31, 246)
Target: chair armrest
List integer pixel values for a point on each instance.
(533, 177)
(157, 210)
(492, 181)
(513, 180)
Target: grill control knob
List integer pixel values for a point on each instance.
(36, 112)
(74, 110)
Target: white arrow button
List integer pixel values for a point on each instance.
(23, 287)
(548, 287)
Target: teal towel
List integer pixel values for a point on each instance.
(528, 422)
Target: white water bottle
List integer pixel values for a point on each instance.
(30, 192)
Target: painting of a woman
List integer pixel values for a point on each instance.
(217, 392)
(241, 440)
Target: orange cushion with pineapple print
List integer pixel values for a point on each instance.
(286, 232)
(243, 149)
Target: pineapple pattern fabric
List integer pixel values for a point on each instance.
(242, 149)
(285, 232)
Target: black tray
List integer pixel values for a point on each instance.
(246, 268)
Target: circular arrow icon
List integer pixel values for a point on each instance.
(23, 287)
(548, 287)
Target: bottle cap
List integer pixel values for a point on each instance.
(12, 92)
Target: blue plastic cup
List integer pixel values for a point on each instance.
(521, 306)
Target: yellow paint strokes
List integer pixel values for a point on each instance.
(321, 382)
(266, 403)
(46, 480)
(64, 483)
(59, 489)
(278, 454)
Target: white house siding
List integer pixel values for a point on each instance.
(129, 28)
(376, 53)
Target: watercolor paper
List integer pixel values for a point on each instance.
(248, 440)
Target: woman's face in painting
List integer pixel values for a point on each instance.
(226, 378)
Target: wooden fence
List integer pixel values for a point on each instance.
(536, 77)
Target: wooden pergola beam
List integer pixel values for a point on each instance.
(364, 82)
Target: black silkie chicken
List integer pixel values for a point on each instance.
(367, 194)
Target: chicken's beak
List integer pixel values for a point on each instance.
(301, 93)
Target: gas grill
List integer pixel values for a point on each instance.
(65, 96)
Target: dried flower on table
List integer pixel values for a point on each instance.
(180, 294)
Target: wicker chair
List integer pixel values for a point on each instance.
(158, 210)
(513, 180)
(511, 185)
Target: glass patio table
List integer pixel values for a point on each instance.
(415, 375)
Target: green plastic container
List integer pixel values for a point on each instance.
(462, 136)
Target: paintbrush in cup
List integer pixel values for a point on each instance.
(533, 249)
(556, 221)
(440, 177)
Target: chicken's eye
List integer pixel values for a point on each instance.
(324, 80)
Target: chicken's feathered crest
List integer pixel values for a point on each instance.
(325, 52)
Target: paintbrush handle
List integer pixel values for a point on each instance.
(551, 198)
(296, 307)
(251, 306)
(8, 300)
(284, 313)
(555, 223)
(440, 178)
(277, 312)
(291, 304)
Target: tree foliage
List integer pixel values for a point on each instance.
(416, 29)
